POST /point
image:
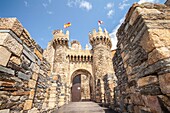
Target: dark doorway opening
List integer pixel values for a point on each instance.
(76, 89)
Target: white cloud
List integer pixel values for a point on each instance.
(26, 3)
(113, 34)
(86, 5)
(110, 13)
(49, 12)
(45, 5)
(153, 1)
(80, 3)
(123, 4)
(109, 6)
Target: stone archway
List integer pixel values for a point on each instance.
(82, 85)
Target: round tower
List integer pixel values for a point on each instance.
(61, 63)
(102, 63)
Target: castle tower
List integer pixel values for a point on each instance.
(102, 63)
(61, 63)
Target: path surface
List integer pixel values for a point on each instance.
(83, 107)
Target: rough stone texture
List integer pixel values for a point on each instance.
(102, 66)
(164, 81)
(20, 63)
(141, 61)
(4, 56)
(11, 44)
(11, 24)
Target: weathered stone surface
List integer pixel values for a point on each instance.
(153, 103)
(15, 60)
(158, 54)
(4, 56)
(164, 81)
(35, 68)
(29, 55)
(38, 53)
(35, 76)
(14, 98)
(32, 83)
(9, 42)
(23, 76)
(11, 24)
(20, 93)
(147, 80)
(5, 111)
(28, 105)
(7, 84)
(32, 93)
(144, 38)
(7, 70)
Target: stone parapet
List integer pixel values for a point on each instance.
(141, 60)
(103, 37)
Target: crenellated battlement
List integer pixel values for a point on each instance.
(60, 38)
(100, 37)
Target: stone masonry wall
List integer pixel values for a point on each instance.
(142, 60)
(24, 73)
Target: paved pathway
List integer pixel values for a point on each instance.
(83, 107)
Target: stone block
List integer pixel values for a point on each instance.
(11, 44)
(5, 111)
(14, 98)
(155, 38)
(39, 55)
(32, 83)
(32, 92)
(7, 70)
(20, 93)
(158, 54)
(4, 56)
(11, 24)
(34, 110)
(23, 76)
(134, 16)
(29, 55)
(7, 84)
(164, 81)
(164, 102)
(153, 103)
(35, 76)
(147, 80)
(15, 60)
(35, 68)
(28, 105)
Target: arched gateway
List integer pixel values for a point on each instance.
(79, 69)
(82, 85)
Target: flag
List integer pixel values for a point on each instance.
(100, 22)
(67, 25)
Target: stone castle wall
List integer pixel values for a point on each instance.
(24, 73)
(142, 59)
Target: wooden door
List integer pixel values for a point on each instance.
(76, 89)
(76, 92)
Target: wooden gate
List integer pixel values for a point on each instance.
(76, 89)
(76, 92)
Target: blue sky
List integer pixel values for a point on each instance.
(41, 17)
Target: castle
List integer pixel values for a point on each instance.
(84, 69)
(134, 78)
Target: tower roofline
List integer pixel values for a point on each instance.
(100, 36)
